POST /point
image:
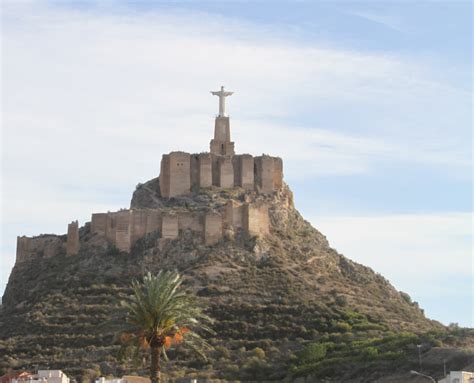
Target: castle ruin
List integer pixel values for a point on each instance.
(182, 175)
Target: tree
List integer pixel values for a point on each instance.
(161, 313)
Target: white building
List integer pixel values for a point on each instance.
(458, 377)
(45, 376)
(124, 379)
(109, 380)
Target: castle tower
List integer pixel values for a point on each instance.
(72, 243)
(221, 143)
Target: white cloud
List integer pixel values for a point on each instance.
(427, 255)
(385, 19)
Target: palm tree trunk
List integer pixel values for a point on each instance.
(155, 368)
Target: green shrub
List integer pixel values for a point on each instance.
(312, 352)
(259, 353)
(369, 353)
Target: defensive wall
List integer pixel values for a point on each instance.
(184, 173)
(124, 228)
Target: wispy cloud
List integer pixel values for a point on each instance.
(386, 19)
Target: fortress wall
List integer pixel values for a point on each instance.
(22, 249)
(205, 170)
(180, 173)
(169, 226)
(277, 173)
(256, 220)
(111, 227)
(237, 164)
(194, 171)
(153, 221)
(175, 174)
(122, 230)
(226, 172)
(138, 221)
(264, 173)
(244, 171)
(215, 170)
(212, 228)
(52, 245)
(165, 176)
(232, 215)
(247, 178)
(72, 243)
(99, 223)
(190, 221)
(45, 246)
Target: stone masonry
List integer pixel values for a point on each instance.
(72, 242)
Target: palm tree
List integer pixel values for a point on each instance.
(159, 314)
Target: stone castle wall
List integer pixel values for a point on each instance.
(124, 228)
(44, 246)
(183, 173)
(176, 174)
(72, 242)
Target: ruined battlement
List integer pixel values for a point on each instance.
(184, 173)
(123, 228)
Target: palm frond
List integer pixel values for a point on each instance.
(160, 307)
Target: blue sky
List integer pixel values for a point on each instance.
(368, 103)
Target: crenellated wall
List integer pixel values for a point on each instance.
(225, 172)
(265, 176)
(123, 228)
(183, 173)
(244, 172)
(175, 176)
(43, 246)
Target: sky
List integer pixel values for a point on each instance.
(368, 103)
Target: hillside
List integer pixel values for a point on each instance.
(272, 297)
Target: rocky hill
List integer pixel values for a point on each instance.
(286, 305)
(272, 298)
